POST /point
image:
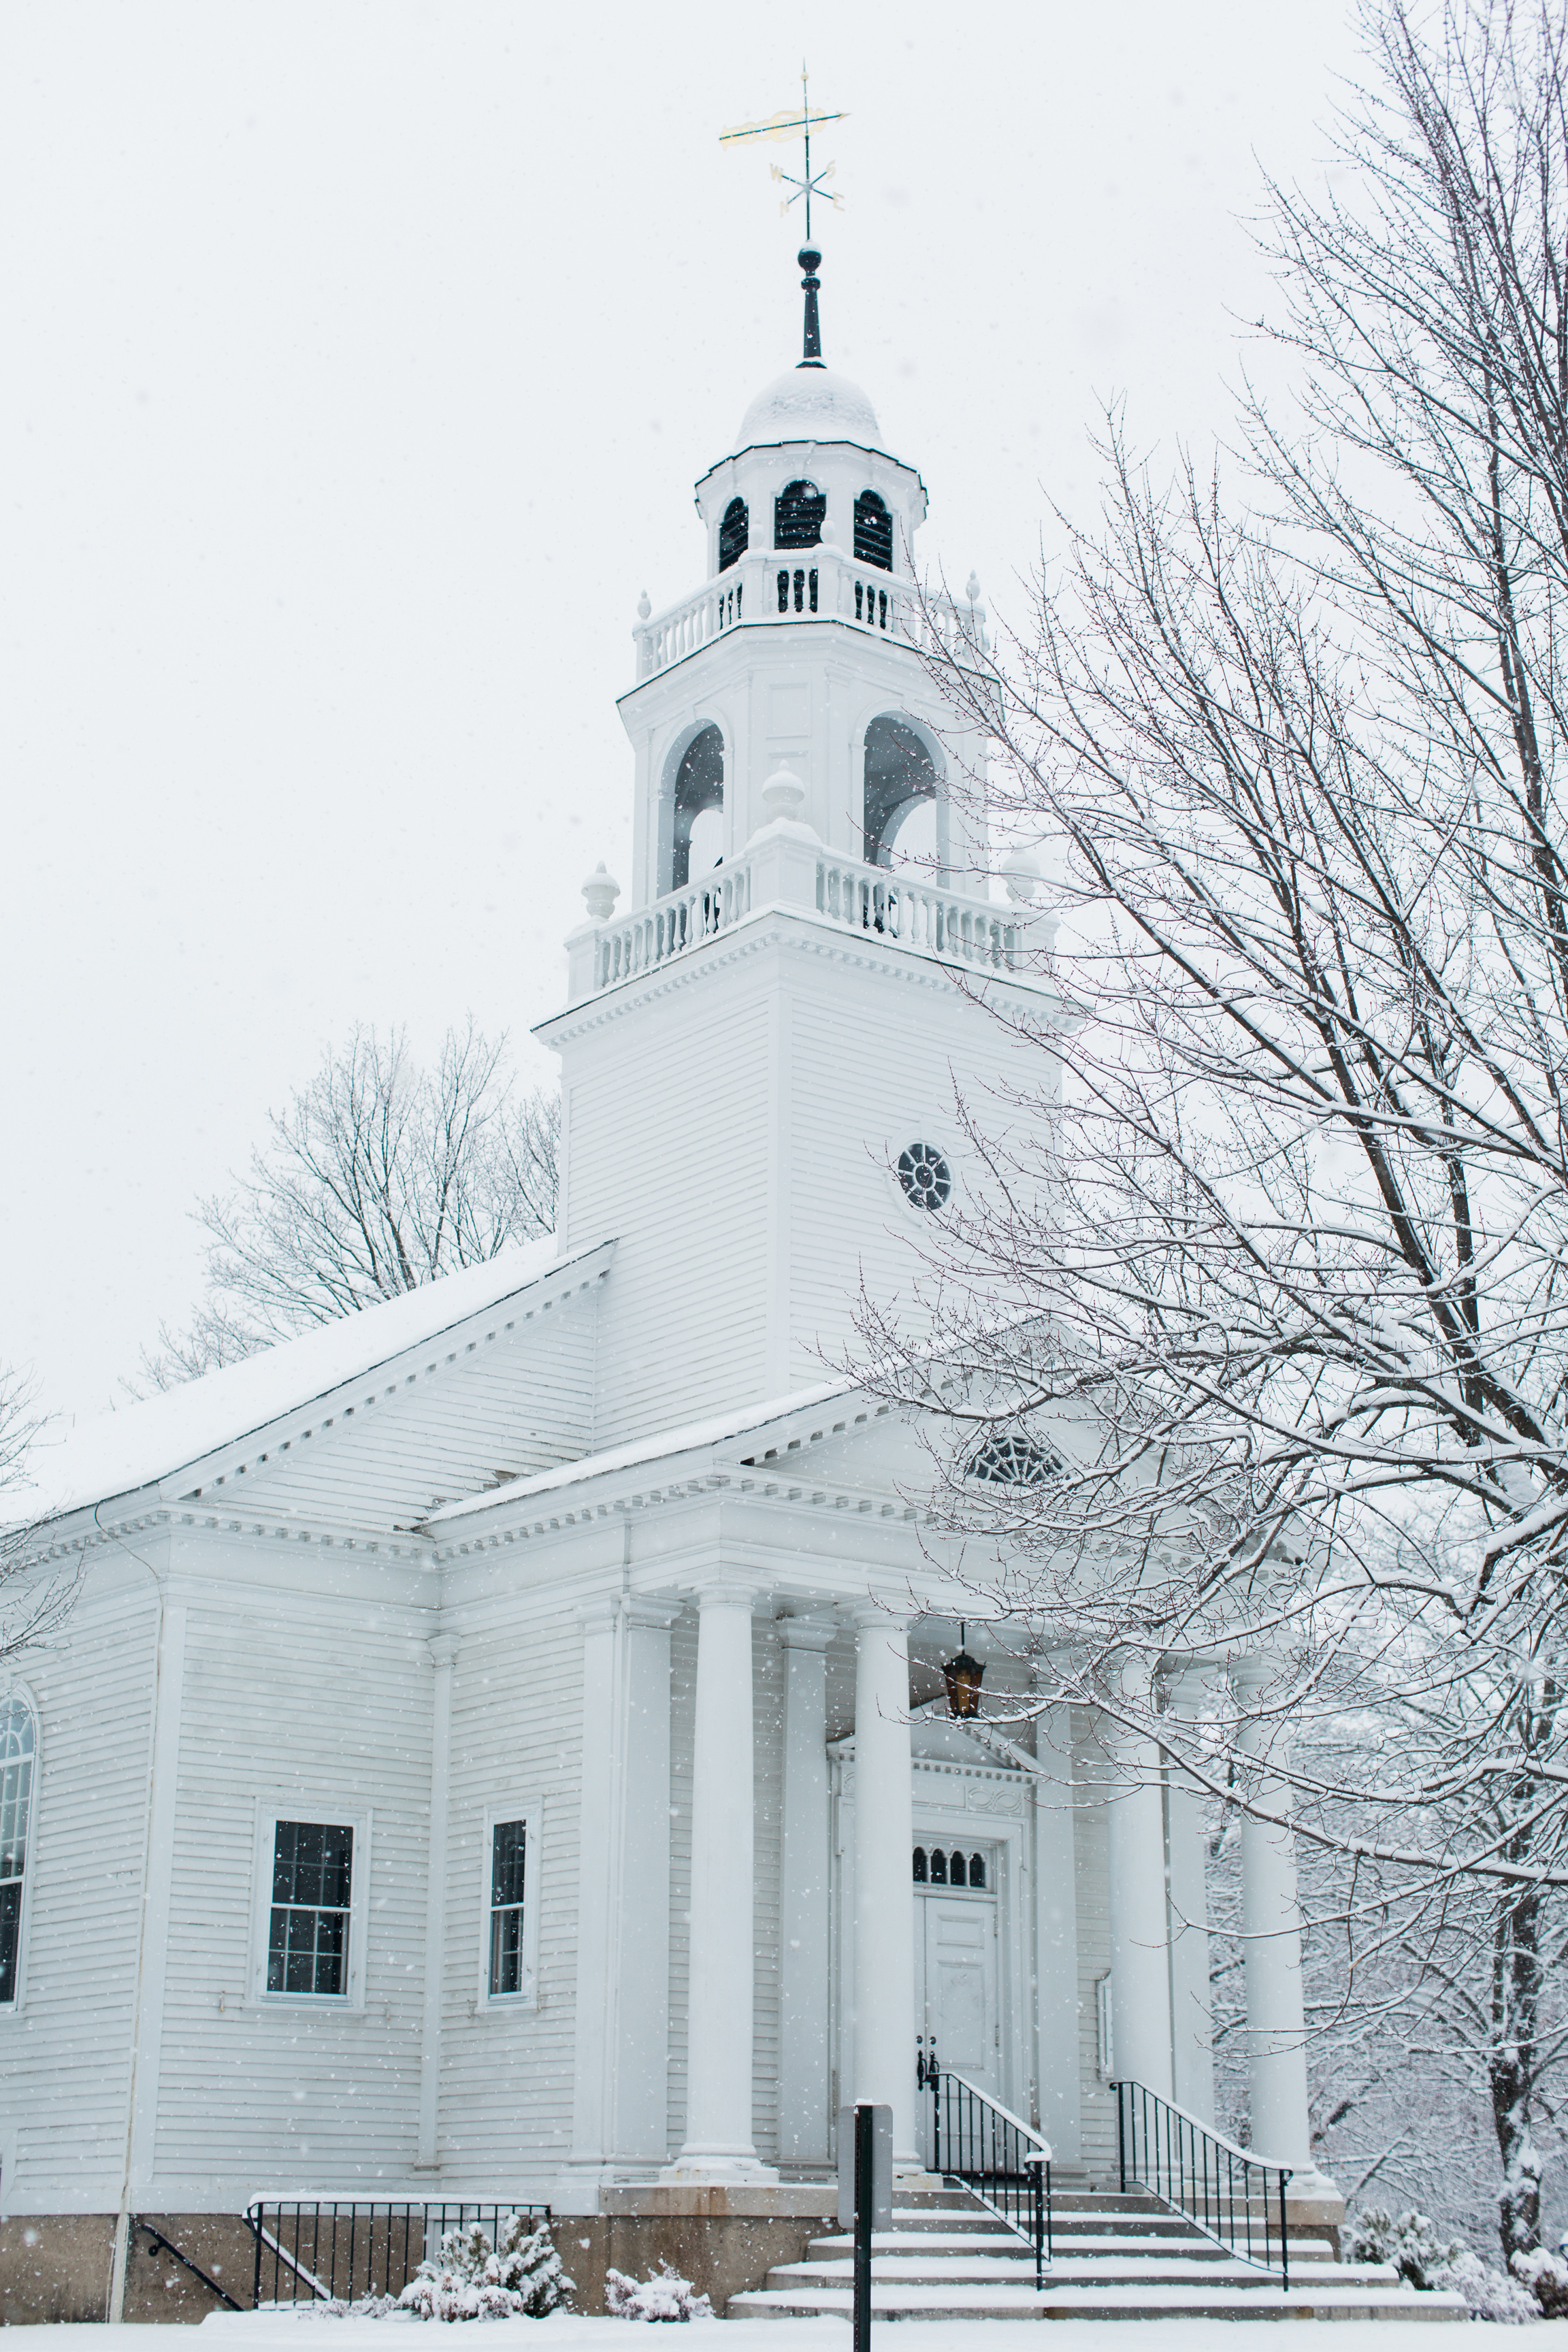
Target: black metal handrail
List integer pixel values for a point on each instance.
(314, 2249)
(1234, 2197)
(998, 2158)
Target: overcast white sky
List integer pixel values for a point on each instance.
(360, 355)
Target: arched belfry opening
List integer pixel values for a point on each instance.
(697, 832)
(873, 531)
(800, 510)
(734, 534)
(901, 797)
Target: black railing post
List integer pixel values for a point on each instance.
(865, 2204)
(256, 2289)
(1284, 2240)
(1121, 2135)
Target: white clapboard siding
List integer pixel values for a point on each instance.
(65, 2050)
(517, 1732)
(326, 1710)
(668, 1151)
(502, 1404)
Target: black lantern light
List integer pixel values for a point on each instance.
(963, 1677)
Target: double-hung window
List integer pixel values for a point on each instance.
(18, 1747)
(313, 1913)
(509, 1862)
(508, 1954)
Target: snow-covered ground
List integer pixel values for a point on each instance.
(262, 2331)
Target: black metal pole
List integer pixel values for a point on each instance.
(1284, 2240)
(256, 2293)
(1121, 2134)
(865, 2204)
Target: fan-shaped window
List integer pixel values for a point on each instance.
(900, 791)
(799, 511)
(919, 1870)
(873, 531)
(18, 1746)
(698, 831)
(938, 1867)
(1015, 1460)
(734, 534)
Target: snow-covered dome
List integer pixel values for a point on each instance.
(809, 403)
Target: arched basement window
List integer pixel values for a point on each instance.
(900, 790)
(698, 834)
(799, 511)
(17, 1745)
(734, 534)
(873, 531)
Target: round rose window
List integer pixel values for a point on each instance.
(925, 1176)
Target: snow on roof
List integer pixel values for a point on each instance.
(118, 1453)
(663, 1446)
(809, 403)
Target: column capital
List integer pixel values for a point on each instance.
(1253, 1673)
(806, 1632)
(867, 1614)
(727, 1591)
(443, 1649)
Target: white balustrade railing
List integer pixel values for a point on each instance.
(899, 906)
(672, 924)
(885, 903)
(814, 585)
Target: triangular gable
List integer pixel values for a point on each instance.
(196, 1435)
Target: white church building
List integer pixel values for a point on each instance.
(500, 1743)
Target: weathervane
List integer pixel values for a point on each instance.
(786, 126)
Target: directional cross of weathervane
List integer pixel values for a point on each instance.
(792, 122)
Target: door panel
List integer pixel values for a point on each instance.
(955, 1989)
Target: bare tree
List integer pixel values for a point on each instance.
(379, 1176)
(32, 1601)
(1284, 1273)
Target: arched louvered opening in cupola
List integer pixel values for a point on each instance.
(901, 807)
(873, 531)
(734, 534)
(799, 511)
(697, 832)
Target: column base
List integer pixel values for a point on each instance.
(719, 2171)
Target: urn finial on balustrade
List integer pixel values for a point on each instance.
(601, 890)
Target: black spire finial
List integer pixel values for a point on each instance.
(811, 262)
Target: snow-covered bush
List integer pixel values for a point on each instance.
(663, 2295)
(1546, 2277)
(472, 2279)
(337, 2306)
(1435, 2263)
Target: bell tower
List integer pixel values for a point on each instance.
(763, 1042)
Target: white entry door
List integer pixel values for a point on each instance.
(955, 1986)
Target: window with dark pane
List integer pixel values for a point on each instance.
(920, 1866)
(17, 1749)
(1012, 1459)
(734, 534)
(957, 1875)
(508, 1849)
(697, 832)
(924, 1176)
(873, 531)
(312, 1874)
(799, 512)
(977, 1870)
(938, 1867)
(900, 780)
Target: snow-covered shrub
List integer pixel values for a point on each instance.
(472, 2279)
(1546, 2277)
(337, 2306)
(1435, 2263)
(663, 2295)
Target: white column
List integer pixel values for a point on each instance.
(622, 2031)
(443, 1650)
(1271, 1928)
(884, 1890)
(1140, 1963)
(719, 2144)
(803, 2067)
(1191, 2013)
(1055, 1937)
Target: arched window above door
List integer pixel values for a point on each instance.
(799, 511)
(734, 534)
(697, 832)
(873, 531)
